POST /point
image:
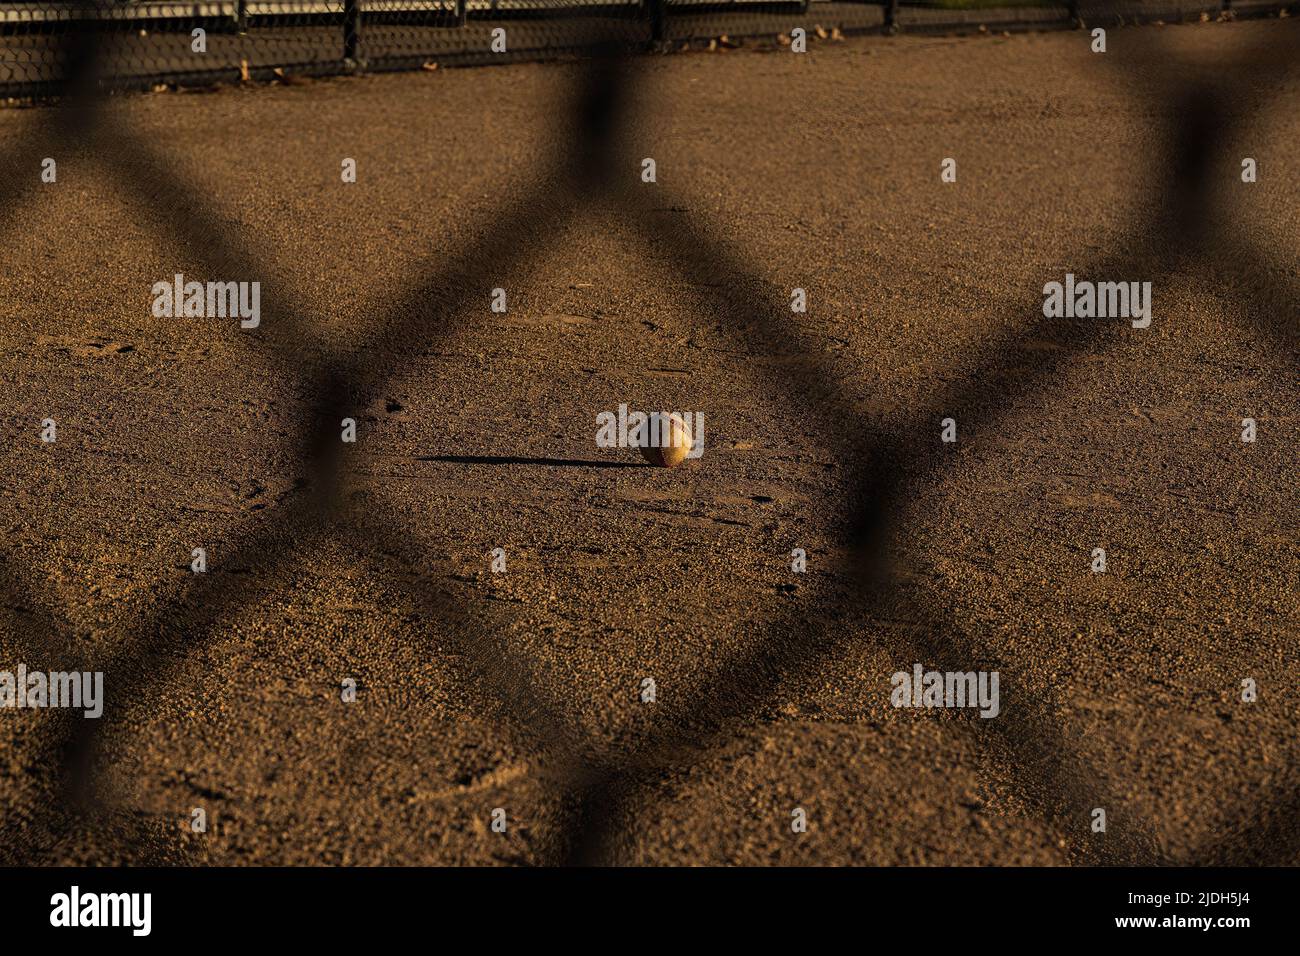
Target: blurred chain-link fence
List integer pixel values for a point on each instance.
(135, 42)
(144, 43)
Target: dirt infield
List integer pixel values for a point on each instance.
(1120, 690)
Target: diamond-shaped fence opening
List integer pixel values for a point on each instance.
(74, 49)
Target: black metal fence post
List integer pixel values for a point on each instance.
(1073, 6)
(462, 12)
(241, 16)
(352, 30)
(658, 10)
(891, 16)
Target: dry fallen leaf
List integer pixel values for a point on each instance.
(243, 70)
(429, 66)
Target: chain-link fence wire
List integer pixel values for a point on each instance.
(145, 43)
(884, 467)
(889, 470)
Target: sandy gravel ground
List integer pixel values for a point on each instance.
(475, 431)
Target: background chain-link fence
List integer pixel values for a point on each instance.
(149, 42)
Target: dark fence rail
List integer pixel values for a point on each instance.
(144, 43)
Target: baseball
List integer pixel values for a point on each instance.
(674, 440)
